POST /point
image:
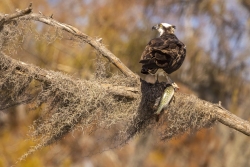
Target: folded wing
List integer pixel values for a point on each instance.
(165, 52)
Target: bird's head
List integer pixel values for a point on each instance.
(164, 28)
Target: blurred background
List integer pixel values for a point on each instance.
(216, 68)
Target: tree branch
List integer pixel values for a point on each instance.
(96, 44)
(128, 92)
(44, 77)
(219, 113)
(227, 118)
(20, 13)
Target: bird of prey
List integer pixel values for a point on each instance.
(164, 54)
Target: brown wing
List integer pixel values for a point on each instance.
(165, 52)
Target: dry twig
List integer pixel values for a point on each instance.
(7, 18)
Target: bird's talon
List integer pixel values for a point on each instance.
(176, 87)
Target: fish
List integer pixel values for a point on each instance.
(166, 98)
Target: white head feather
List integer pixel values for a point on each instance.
(162, 27)
(166, 25)
(161, 31)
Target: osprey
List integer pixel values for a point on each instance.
(164, 54)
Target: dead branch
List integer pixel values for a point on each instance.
(128, 92)
(220, 114)
(19, 13)
(45, 77)
(227, 118)
(96, 44)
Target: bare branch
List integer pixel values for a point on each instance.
(96, 44)
(7, 18)
(227, 118)
(128, 92)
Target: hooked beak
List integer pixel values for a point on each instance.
(155, 27)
